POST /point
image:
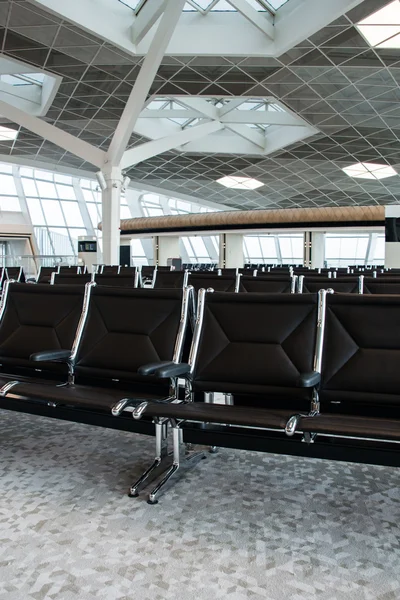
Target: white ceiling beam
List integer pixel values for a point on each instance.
(53, 134)
(169, 114)
(146, 19)
(264, 117)
(231, 105)
(248, 134)
(155, 147)
(145, 78)
(256, 18)
(201, 106)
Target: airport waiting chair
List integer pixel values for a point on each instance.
(33, 317)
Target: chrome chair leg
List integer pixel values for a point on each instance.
(181, 463)
(161, 461)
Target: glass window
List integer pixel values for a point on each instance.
(66, 192)
(291, 248)
(344, 250)
(26, 172)
(153, 212)
(268, 246)
(52, 212)
(46, 175)
(46, 189)
(252, 246)
(137, 248)
(94, 214)
(198, 246)
(88, 195)
(29, 187)
(72, 214)
(7, 185)
(125, 213)
(63, 179)
(9, 203)
(379, 254)
(35, 211)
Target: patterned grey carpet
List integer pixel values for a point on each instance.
(241, 526)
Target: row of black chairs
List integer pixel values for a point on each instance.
(299, 367)
(241, 283)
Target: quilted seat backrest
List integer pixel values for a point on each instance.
(382, 285)
(115, 280)
(361, 355)
(347, 285)
(127, 328)
(73, 279)
(45, 273)
(16, 273)
(38, 317)
(265, 285)
(222, 283)
(169, 279)
(110, 269)
(256, 343)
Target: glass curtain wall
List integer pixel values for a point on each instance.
(343, 249)
(274, 249)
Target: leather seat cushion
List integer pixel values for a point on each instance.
(349, 425)
(79, 396)
(219, 413)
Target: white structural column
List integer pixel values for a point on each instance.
(231, 250)
(165, 247)
(110, 200)
(317, 249)
(154, 56)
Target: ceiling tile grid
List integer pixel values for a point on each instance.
(334, 80)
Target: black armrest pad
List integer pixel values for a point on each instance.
(51, 355)
(310, 379)
(164, 369)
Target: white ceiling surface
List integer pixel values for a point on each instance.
(247, 33)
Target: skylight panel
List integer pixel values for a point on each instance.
(136, 5)
(7, 134)
(276, 4)
(22, 79)
(369, 171)
(240, 183)
(382, 28)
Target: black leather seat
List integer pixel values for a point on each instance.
(360, 387)
(115, 280)
(37, 317)
(15, 273)
(45, 273)
(340, 284)
(222, 283)
(169, 279)
(71, 279)
(266, 285)
(382, 285)
(124, 329)
(258, 345)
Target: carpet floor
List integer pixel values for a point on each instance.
(241, 525)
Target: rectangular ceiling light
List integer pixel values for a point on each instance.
(382, 28)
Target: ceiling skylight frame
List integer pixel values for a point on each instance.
(264, 6)
(262, 127)
(381, 29)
